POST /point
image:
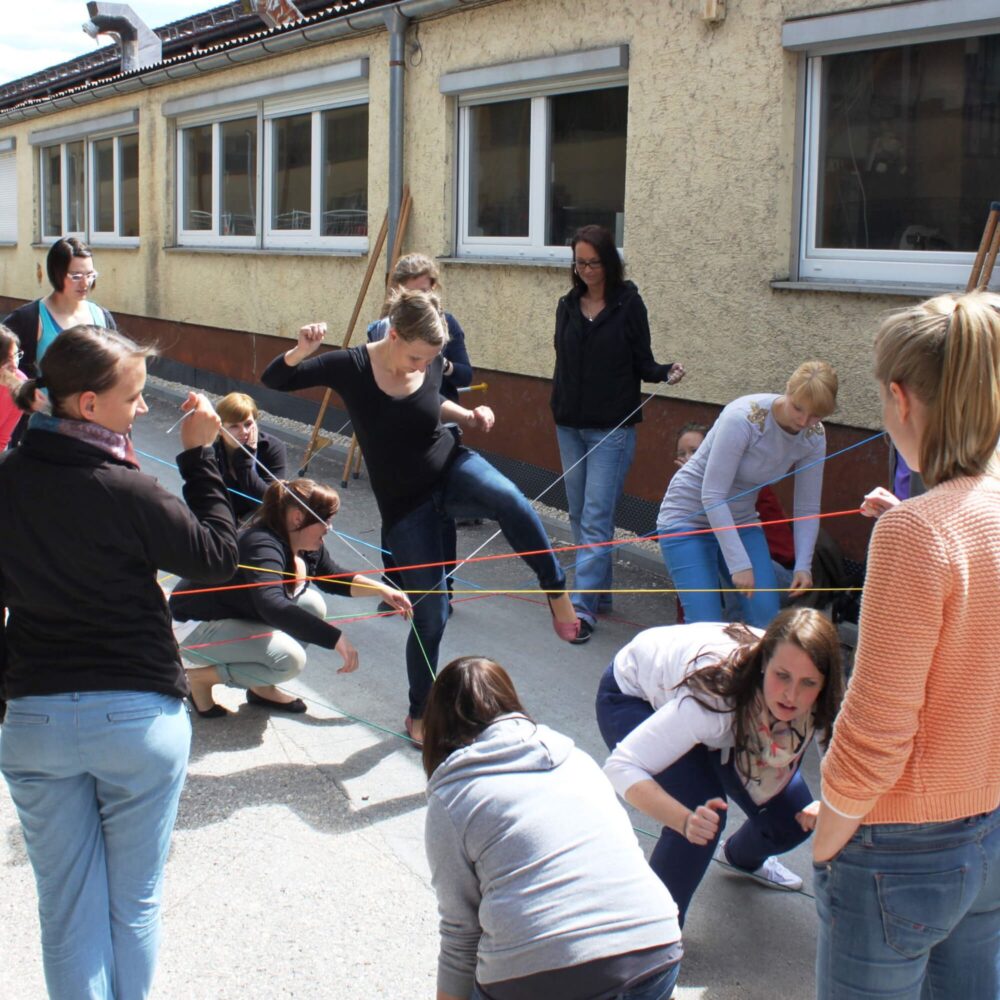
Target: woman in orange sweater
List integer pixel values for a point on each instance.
(907, 845)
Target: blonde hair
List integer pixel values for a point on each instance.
(236, 407)
(813, 385)
(946, 351)
(413, 265)
(418, 316)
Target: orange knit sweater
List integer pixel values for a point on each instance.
(918, 737)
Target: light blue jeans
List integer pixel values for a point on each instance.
(594, 486)
(911, 911)
(695, 564)
(96, 777)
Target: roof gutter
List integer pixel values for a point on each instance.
(286, 41)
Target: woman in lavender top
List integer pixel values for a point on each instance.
(756, 440)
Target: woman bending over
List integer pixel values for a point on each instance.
(696, 713)
(541, 886)
(282, 553)
(419, 472)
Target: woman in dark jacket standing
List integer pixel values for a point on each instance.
(602, 355)
(95, 743)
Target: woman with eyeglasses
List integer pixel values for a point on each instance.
(602, 355)
(281, 554)
(11, 378)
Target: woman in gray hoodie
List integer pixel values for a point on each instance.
(542, 889)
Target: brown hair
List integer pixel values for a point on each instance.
(306, 495)
(467, 696)
(81, 359)
(59, 258)
(813, 385)
(946, 351)
(418, 316)
(737, 678)
(604, 243)
(236, 407)
(8, 339)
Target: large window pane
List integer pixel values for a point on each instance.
(239, 178)
(197, 180)
(909, 144)
(292, 173)
(587, 175)
(345, 172)
(104, 185)
(75, 212)
(499, 150)
(128, 195)
(52, 191)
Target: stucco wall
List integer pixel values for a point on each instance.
(708, 209)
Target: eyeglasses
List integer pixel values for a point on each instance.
(88, 276)
(592, 265)
(17, 356)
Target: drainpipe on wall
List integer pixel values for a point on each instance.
(396, 23)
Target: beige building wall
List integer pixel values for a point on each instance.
(708, 213)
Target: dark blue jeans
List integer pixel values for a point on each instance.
(698, 776)
(471, 488)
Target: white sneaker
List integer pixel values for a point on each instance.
(772, 873)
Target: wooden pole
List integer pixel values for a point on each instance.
(982, 268)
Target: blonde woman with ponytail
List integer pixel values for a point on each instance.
(907, 845)
(419, 472)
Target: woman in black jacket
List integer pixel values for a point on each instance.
(96, 738)
(602, 354)
(281, 553)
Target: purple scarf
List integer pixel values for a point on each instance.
(118, 446)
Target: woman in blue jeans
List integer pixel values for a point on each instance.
(756, 440)
(697, 713)
(542, 889)
(419, 472)
(602, 356)
(95, 742)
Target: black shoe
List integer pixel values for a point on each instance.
(215, 712)
(296, 707)
(586, 631)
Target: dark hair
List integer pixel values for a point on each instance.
(8, 339)
(60, 256)
(604, 243)
(301, 494)
(739, 677)
(81, 359)
(466, 697)
(692, 428)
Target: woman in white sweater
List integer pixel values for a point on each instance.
(695, 713)
(542, 888)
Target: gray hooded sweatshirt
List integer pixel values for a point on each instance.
(534, 862)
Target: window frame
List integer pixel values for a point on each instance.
(818, 38)
(103, 237)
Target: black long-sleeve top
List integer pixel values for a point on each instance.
(242, 474)
(273, 560)
(601, 363)
(82, 536)
(406, 447)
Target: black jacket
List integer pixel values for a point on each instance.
(82, 536)
(600, 364)
(243, 475)
(270, 603)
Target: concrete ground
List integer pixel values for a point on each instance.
(297, 867)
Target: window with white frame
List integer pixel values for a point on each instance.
(89, 182)
(281, 171)
(8, 191)
(540, 157)
(901, 148)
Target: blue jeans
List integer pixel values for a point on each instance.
(911, 910)
(695, 564)
(658, 987)
(471, 488)
(593, 489)
(95, 777)
(698, 776)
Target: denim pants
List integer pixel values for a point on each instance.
(695, 564)
(698, 776)
(470, 488)
(911, 910)
(242, 662)
(594, 486)
(95, 777)
(658, 987)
